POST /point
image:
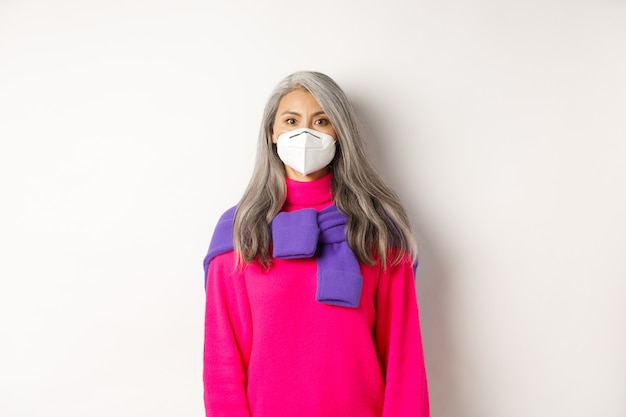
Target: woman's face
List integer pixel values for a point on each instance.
(298, 109)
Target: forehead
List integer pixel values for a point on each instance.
(298, 99)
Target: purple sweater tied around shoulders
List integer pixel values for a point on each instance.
(303, 234)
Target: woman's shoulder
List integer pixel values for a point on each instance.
(396, 258)
(223, 232)
(222, 239)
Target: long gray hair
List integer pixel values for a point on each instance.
(376, 219)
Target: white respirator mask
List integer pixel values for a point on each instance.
(306, 150)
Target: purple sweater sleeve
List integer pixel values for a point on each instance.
(399, 343)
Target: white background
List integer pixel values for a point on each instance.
(127, 127)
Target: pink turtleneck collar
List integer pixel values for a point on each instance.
(314, 194)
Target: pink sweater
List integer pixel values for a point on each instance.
(272, 350)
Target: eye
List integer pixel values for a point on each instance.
(322, 122)
(290, 121)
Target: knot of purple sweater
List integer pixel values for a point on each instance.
(303, 234)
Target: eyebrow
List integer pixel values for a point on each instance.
(295, 113)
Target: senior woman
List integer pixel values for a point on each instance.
(310, 299)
